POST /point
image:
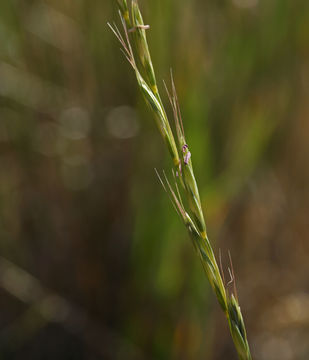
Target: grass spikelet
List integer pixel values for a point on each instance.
(189, 210)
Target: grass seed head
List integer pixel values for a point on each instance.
(193, 217)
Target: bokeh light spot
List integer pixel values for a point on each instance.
(122, 122)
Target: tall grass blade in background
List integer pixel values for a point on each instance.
(134, 31)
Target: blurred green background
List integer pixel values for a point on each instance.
(94, 262)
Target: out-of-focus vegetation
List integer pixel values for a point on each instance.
(94, 263)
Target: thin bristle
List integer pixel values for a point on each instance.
(127, 57)
(232, 267)
(231, 276)
(177, 188)
(176, 200)
(176, 102)
(125, 42)
(117, 33)
(126, 34)
(170, 197)
(173, 104)
(168, 93)
(160, 179)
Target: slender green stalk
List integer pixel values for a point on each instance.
(193, 218)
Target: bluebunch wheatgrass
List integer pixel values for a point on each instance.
(193, 218)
